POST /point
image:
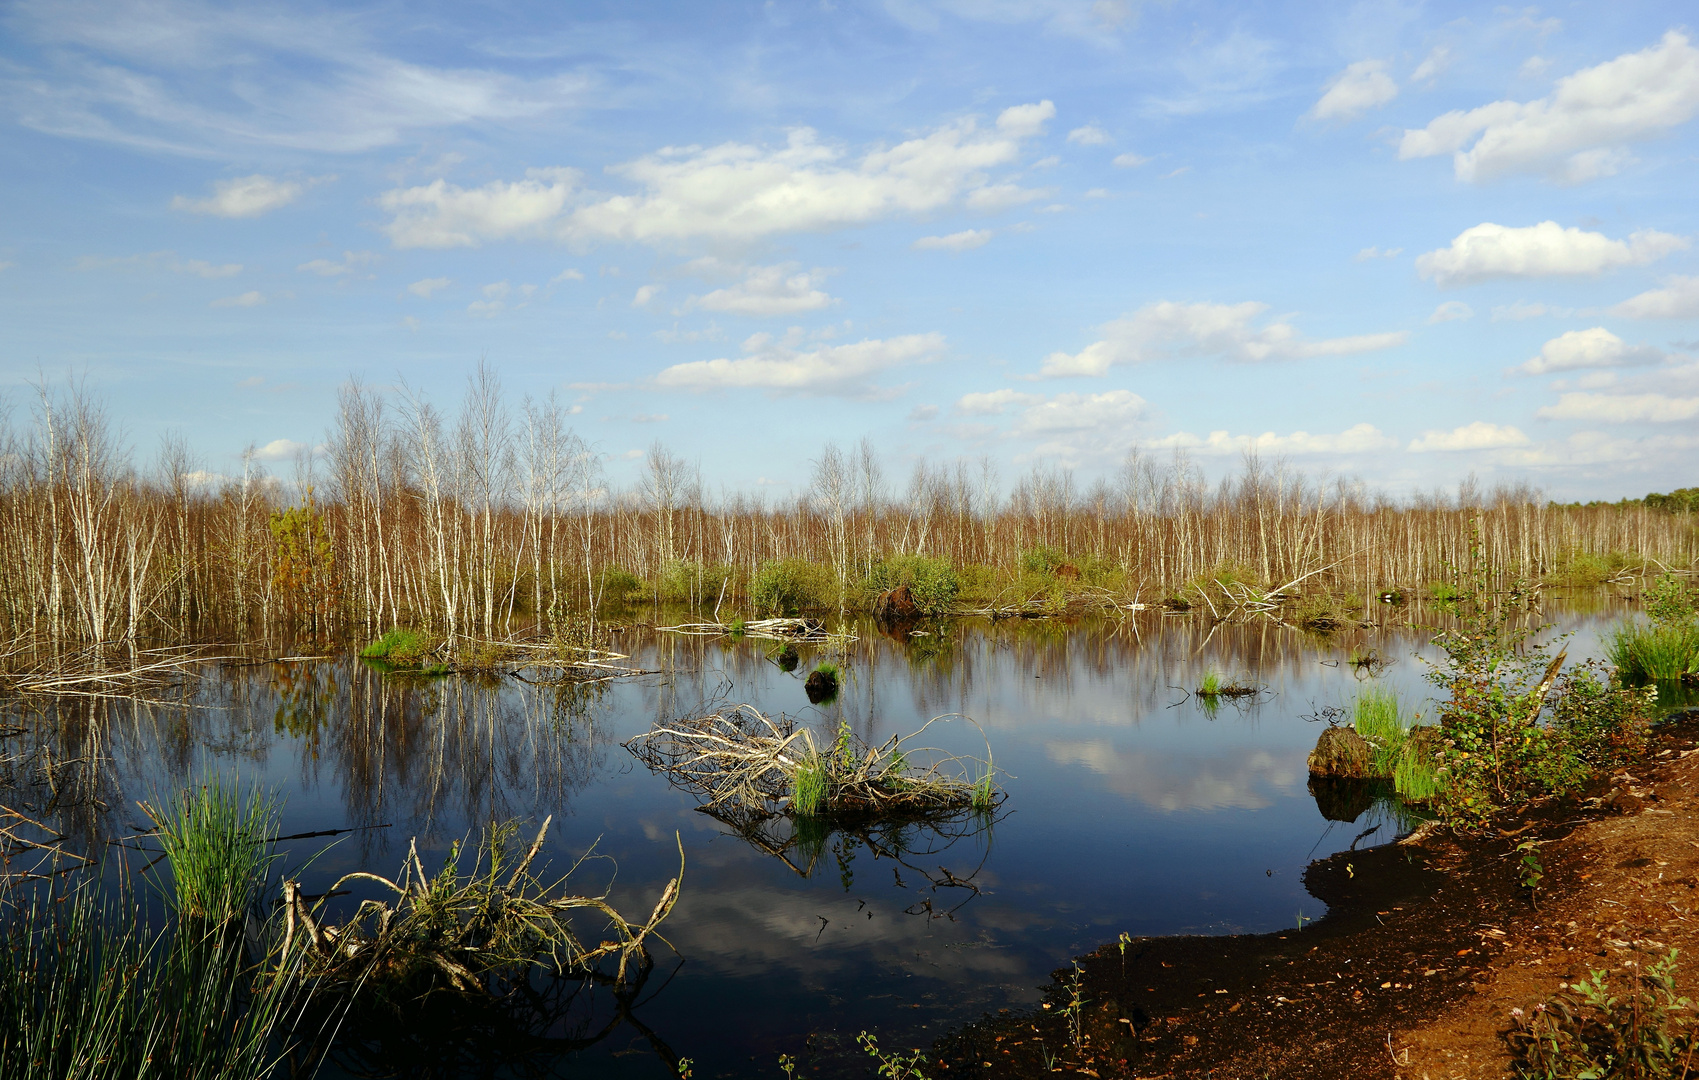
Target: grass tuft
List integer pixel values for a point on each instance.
(216, 844)
(1665, 653)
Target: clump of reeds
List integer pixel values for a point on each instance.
(87, 990)
(1213, 684)
(1399, 749)
(217, 845)
(749, 767)
(466, 930)
(1644, 653)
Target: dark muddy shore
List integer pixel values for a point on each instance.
(1413, 930)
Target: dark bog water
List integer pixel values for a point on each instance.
(1132, 807)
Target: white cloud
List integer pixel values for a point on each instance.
(1593, 348)
(1577, 133)
(1168, 330)
(1678, 299)
(965, 240)
(251, 298)
(247, 196)
(1433, 65)
(280, 449)
(1622, 408)
(923, 414)
(1544, 250)
(1451, 311)
(844, 370)
(1360, 87)
(1129, 160)
(1376, 253)
(731, 192)
(644, 294)
(486, 309)
(1357, 439)
(1479, 435)
(426, 286)
(351, 260)
(770, 290)
(444, 215)
(994, 402)
(1089, 135)
(496, 290)
(569, 274)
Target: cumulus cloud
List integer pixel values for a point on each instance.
(251, 298)
(1544, 250)
(569, 274)
(280, 450)
(1450, 311)
(1168, 330)
(1360, 87)
(1593, 348)
(1678, 299)
(1622, 408)
(1089, 135)
(1129, 160)
(445, 215)
(1479, 435)
(1581, 130)
(785, 367)
(644, 294)
(732, 192)
(424, 287)
(770, 290)
(965, 240)
(1356, 439)
(247, 196)
(1025, 121)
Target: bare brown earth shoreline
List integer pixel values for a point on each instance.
(1428, 945)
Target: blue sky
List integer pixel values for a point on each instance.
(1399, 241)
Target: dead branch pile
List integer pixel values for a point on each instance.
(748, 767)
(466, 932)
(803, 630)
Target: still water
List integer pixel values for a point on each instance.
(1131, 807)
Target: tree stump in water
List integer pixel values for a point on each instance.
(897, 605)
(1340, 752)
(821, 686)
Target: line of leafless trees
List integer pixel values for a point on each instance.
(469, 521)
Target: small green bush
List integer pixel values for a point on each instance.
(789, 586)
(1668, 601)
(1041, 559)
(932, 582)
(620, 587)
(683, 581)
(1594, 1030)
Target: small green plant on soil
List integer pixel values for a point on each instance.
(1075, 1009)
(889, 1065)
(1594, 1030)
(1530, 871)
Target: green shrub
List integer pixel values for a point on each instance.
(1668, 601)
(620, 587)
(932, 582)
(788, 586)
(683, 581)
(1041, 559)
